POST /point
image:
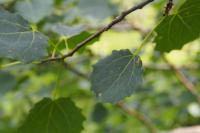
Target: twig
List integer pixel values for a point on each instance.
(75, 71)
(141, 117)
(9, 64)
(183, 79)
(166, 67)
(97, 34)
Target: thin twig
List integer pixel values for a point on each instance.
(75, 71)
(183, 79)
(141, 117)
(97, 34)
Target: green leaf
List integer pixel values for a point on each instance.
(96, 9)
(99, 113)
(17, 41)
(59, 116)
(7, 82)
(178, 29)
(73, 41)
(68, 31)
(117, 76)
(34, 10)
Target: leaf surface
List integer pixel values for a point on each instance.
(178, 29)
(34, 10)
(117, 76)
(59, 116)
(68, 31)
(97, 10)
(18, 41)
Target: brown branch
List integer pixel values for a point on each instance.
(183, 79)
(97, 34)
(141, 117)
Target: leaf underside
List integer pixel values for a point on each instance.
(17, 41)
(117, 76)
(34, 10)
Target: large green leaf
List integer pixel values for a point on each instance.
(17, 41)
(34, 10)
(59, 116)
(178, 29)
(117, 76)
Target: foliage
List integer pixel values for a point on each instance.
(120, 70)
(50, 116)
(154, 71)
(187, 19)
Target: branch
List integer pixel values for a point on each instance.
(75, 71)
(183, 79)
(141, 117)
(97, 34)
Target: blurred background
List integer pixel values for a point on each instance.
(163, 98)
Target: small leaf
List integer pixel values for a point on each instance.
(178, 29)
(59, 116)
(73, 41)
(68, 31)
(34, 10)
(17, 41)
(117, 76)
(99, 113)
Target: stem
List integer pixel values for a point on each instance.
(147, 37)
(139, 116)
(10, 64)
(183, 79)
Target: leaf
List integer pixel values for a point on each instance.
(96, 9)
(68, 31)
(7, 82)
(71, 15)
(178, 29)
(17, 41)
(117, 76)
(34, 10)
(74, 40)
(99, 113)
(59, 116)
